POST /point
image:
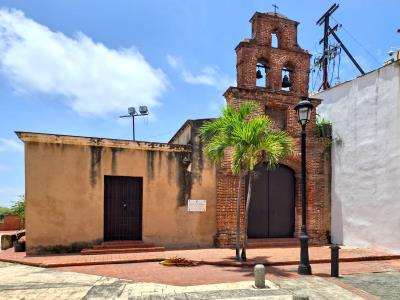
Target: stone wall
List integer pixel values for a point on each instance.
(64, 178)
(11, 222)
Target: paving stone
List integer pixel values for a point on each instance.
(384, 285)
(25, 282)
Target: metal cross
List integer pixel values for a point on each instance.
(275, 7)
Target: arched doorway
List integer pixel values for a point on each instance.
(271, 211)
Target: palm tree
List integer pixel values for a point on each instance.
(251, 139)
(216, 136)
(254, 141)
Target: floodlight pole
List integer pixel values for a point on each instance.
(132, 114)
(133, 128)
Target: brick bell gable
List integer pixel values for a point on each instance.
(278, 104)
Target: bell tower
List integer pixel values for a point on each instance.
(273, 71)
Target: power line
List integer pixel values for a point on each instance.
(356, 41)
(329, 52)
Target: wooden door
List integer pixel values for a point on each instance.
(271, 212)
(122, 208)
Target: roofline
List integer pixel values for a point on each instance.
(184, 125)
(359, 76)
(37, 137)
(276, 15)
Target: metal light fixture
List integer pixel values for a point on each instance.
(143, 110)
(303, 109)
(132, 113)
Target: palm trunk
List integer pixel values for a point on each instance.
(246, 218)
(238, 218)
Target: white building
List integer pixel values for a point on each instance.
(365, 114)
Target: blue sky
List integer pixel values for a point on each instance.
(72, 67)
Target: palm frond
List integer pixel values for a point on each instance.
(248, 133)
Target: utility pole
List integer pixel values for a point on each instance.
(325, 20)
(325, 40)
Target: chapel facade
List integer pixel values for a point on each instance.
(273, 71)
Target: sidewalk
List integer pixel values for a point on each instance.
(23, 282)
(212, 256)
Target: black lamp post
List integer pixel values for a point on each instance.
(303, 109)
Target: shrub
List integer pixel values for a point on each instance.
(324, 128)
(4, 211)
(18, 208)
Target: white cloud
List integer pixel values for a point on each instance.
(210, 76)
(11, 145)
(92, 79)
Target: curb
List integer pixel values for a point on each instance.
(201, 262)
(296, 262)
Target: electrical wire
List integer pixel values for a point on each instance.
(316, 79)
(338, 69)
(333, 71)
(356, 41)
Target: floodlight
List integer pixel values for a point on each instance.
(132, 111)
(143, 110)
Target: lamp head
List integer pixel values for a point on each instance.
(303, 110)
(131, 111)
(143, 110)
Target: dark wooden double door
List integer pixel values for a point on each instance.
(271, 211)
(122, 208)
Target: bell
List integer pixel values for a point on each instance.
(259, 75)
(285, 82)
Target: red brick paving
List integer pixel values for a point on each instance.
(212, 274)
(267, 256)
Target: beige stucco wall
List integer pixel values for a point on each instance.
(65, 187)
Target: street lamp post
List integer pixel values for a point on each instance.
(303, 109)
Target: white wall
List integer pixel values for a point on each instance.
(365, 113)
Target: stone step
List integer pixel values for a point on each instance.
(123, 244)
(272, 242)
(120, 250)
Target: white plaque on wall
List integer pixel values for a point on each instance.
(197, 205)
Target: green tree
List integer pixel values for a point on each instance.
(251, 138)
(18, 208)
(217, 137)
(3, 212)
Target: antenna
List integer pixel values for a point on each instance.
(132, 113)
(324, 20)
